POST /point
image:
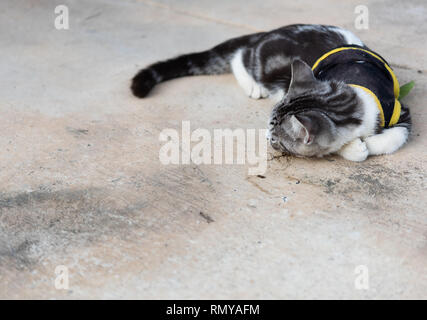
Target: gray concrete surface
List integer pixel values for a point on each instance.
(82, 185)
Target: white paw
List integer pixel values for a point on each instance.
(247, 84)
(355, 151)
(245, 80)
(264, 92)
(374, 145)
(258, 91)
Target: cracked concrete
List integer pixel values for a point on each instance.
(82, 185)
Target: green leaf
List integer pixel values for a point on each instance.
(405, 89)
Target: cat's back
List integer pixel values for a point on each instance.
(305, 41)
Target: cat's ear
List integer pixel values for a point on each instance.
(301, 72)
(303, 127)
(302, 78)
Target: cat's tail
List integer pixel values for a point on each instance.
(213, 61)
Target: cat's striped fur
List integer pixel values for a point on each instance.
(311, 117)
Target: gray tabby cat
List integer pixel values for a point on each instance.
(312, 116)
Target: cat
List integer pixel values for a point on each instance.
(316, 112)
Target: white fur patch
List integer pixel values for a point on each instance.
(244, 79)
(349, 37)
(389, 141)
(386, 142)
(370, 114)
(356, 150)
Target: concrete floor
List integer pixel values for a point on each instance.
(81, 184)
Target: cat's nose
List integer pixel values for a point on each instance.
(272, 123)
(274, 142)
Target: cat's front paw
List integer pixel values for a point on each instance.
(258, 91)
(356, 150)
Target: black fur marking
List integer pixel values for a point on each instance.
(142, 83)
(405, 119)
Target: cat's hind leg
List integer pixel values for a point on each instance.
(245, 80)
(388, 141)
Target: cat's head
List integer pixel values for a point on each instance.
(306, 121)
